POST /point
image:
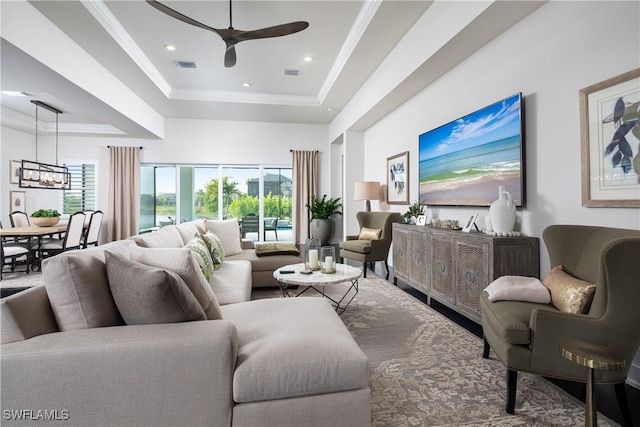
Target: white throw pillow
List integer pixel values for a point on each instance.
(518, 288)
(182, 262)
(228, 231)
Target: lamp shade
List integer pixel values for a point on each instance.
(368, 190)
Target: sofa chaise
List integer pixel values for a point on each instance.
(70, 355)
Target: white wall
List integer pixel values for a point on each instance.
(549, 56)
(186, 141)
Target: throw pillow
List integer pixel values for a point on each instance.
(200, 250)
(146, 294)
(569, 294)
(370, 233)
(518, 288)
(182, 262)
(78, 290)
(269, 249)
(215, 248)
(228, 231)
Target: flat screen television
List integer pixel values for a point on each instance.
(463, 162)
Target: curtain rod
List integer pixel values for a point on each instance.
(291, 151)
(114, 146)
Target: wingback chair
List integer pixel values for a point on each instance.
(528, 336)
(365, 249)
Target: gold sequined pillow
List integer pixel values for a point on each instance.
(568, 294)
(370, 234)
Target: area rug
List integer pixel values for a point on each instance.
(428, 371)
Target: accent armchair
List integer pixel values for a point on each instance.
(528, 336)
(364, 249)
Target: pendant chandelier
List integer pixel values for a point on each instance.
(34, 174)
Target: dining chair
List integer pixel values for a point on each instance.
(92, 229)
(19, 219)
(72, 238)
(10, 254)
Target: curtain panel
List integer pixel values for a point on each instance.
(124, 192)
(305, 185)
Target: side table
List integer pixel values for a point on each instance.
(594, 357)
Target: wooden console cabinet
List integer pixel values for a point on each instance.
(453, 267)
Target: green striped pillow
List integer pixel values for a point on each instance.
(198, 247)
(215, 248)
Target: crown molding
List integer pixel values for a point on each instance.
(245, 98)
(114, 28)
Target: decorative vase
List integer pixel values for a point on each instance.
(312, 254)
(503, 212)
(321, 229)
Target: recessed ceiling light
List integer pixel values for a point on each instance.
(246, 84)
(308, 59)
(170, 47)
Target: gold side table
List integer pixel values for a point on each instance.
(594, 357)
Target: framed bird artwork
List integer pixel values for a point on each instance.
(610, 134)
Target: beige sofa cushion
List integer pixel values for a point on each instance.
(228, 231)
(279, 358)
(166, 237)
(232, 282)
(26, 314)
(182, 262)
(188, 230)
(147, 295)
(78, 288)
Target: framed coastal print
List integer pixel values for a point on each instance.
(398, 179)
(610, 134)
(17, 202)
(14, 170)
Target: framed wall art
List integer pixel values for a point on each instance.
(610, 134)
(17, 203)
(398, 179)
(14, 170)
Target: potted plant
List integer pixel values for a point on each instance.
(45, 217)
(414, 211)
(321, 211)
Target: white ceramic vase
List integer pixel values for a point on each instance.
(503, 212)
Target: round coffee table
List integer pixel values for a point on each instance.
(318, 281)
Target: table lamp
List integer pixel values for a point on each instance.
(367, 190)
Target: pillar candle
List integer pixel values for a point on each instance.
(313, 258)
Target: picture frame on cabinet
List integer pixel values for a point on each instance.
(398, 179)
(610, 142)
(14, 171)
(17, 201)
(470, 223)
(421, 220)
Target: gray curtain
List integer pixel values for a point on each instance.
(124, 192)
(305, 184)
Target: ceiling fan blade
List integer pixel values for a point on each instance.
(275, 31)
(179, 16)
(230, 56)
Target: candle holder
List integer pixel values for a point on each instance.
(328, 257)
(312, 254)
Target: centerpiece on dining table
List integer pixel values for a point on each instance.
(45, 217)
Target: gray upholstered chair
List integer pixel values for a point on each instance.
(528, 336)
(371, 250)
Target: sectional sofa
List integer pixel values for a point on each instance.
(92, 346)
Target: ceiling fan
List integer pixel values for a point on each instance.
(230, 35)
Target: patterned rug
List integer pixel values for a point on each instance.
(428, 371)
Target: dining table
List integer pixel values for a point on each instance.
(33, 232)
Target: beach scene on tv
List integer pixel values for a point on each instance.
(463, 162)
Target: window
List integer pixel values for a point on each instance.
(82, 195)
(218, 192)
